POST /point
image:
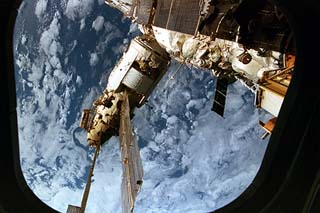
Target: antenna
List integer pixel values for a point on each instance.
(175, 72)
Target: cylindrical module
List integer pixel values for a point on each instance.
(140, 69)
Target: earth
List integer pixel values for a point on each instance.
(193, 159)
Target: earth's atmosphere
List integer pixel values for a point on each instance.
(194, 160)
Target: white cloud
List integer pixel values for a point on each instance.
(55, 48)
(49, 43)
(24, 62)
(97, 24)
(196, 103)
(78, 9)
(82, 23)
(60, 75)
(35, 74)
(94, 59)
(41, 7)
(50, 48)
(24, 39)
(55, 62)
(79, 81)
(111, 33)
(66, 60)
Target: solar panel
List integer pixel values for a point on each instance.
(178, 15)
(220, 96)
(131, 161)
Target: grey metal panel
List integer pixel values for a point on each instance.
(178, 15)
(144, 8)
(131, 161)
(73, 209)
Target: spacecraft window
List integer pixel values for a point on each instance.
(193, 159)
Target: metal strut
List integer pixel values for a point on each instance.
(88, 185)
(76, 209)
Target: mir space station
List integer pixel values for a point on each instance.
(236, 40)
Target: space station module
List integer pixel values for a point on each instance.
(255, 49)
